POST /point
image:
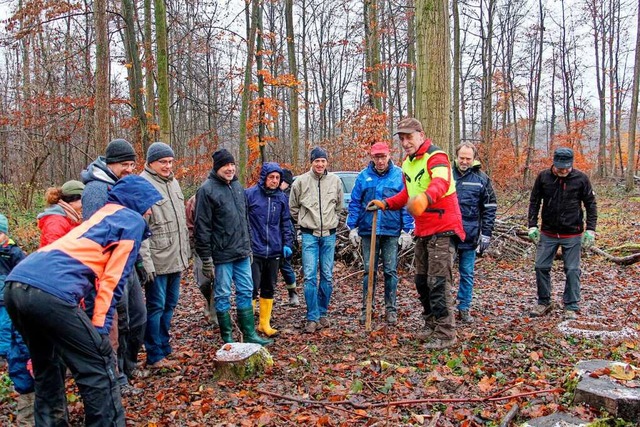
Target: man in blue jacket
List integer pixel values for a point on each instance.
(271, 238)
(478, 206)
(379, 180)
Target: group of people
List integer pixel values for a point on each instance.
(114, 234)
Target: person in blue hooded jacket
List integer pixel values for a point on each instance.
(271, 238)
(379, 180)
(43, 294)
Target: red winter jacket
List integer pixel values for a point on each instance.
(53, 224)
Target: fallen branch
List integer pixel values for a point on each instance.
(506, 421)
(369, 405)
(625, 260)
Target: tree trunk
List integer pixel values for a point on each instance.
(252, 25)
(294, 131)
(633, 116)
(411, 60)
(162, 57)
(372, 53)
(102, 94)
(433, 82)
(456, 73)
(149, 66)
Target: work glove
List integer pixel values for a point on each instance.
(588, 238)
(484, 243)
(207, 268)
(418, 204)
(405, 240)
(143, 275)
(375, 204)
(534, 234)
(354, 237)
(286, 251)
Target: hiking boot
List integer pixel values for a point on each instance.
(293, 298)
(311, 327)
(465, 317)
(440, 343)
(392, 317)
(363, 318)
(324, 322)
(541, 309)
(570, 314)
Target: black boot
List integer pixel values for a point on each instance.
(226, 329)
(248, 328)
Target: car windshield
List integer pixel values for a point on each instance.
(348, 181)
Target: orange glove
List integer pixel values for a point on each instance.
(418, 204)
(375, 204)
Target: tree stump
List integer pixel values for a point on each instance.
(238, 361)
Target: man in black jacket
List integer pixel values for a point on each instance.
(222, 241)
(563, 191)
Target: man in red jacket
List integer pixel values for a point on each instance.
(430, 196)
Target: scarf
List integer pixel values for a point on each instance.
(72, 214)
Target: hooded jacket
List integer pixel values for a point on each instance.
(99, 253)
(269, 217)
(167, 250)
(53, 224)
(316, 202)
(10, 256)
(98, 180)
(371, 184)
(222, 225)
(477, 202)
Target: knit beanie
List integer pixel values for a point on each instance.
(287, 176)
(158, 150)
(119, 150)
(4, 224)
(318, 153)
(222, 157)
(72, 188)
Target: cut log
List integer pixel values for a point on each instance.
(239, 361)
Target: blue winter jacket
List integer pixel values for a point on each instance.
(10, 256)
(269, 216)
(371, 185)
(99, 253)
(477, 204)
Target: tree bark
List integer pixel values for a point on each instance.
(162, 57)
(294, 126)
(633, 116)
(102, 93)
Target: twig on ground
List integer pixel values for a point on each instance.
(510, 416)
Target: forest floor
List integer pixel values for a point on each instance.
(331, 377)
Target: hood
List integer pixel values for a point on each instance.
(134, 192)
(52, 210)
(98, 171)
(268, 168)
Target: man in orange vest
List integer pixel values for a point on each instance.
(430, 196)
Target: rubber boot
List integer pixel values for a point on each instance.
(24, 409)
(293, 297)
(245, 320)
(266, 306)
(226, 329)
(253, 305)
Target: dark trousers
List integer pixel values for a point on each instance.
(264, 272)
(132, 320)
(55, 332)
(434, 276)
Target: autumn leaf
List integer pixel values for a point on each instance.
(623, 372)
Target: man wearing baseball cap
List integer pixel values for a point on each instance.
(563, 191)
(429, 194)
(379, 179)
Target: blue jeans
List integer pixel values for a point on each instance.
(288, 274)
(545, 253)
(239, 272)
(317, 251)
(388, 247)
(162, 298)
(466, 262)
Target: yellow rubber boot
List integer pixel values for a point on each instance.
(266, 306)
(253, 304)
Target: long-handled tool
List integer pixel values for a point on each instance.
(372, 269)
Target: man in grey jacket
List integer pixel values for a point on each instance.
(165, 254)
(315, 203)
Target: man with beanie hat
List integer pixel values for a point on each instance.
(99, 177)
(286, 269)
(315, 203)
(165, 254)
(563, 191)
(223, 243)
